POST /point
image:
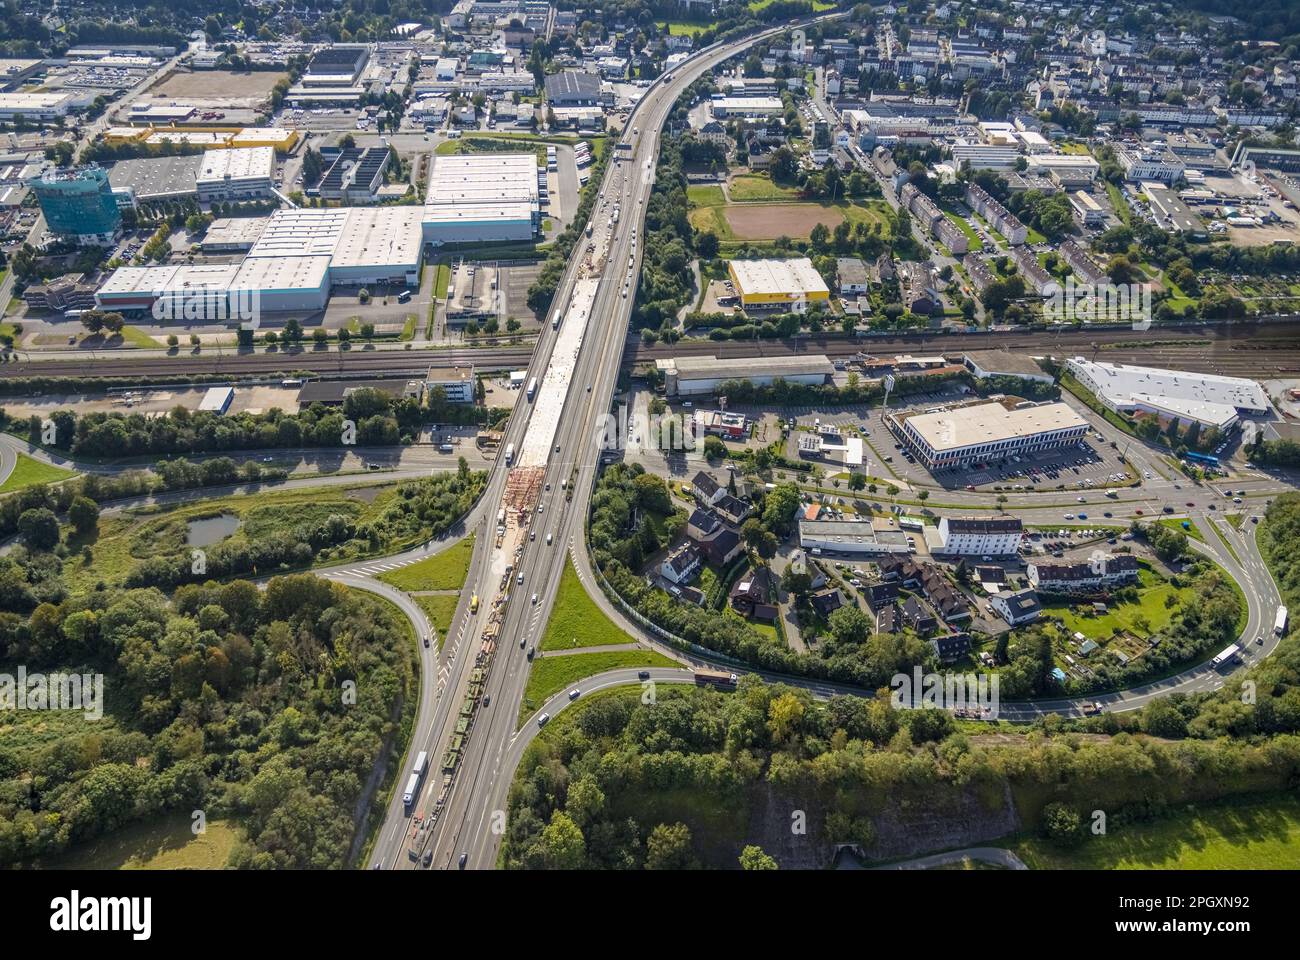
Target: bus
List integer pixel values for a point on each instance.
(1279, 625)
(911, 523)
(716, 678)
(1202, 458)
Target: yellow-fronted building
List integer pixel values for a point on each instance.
(788, 286)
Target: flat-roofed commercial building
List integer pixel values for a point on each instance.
(1170, 212)
(484, 198)
(38, 106)
(153, 179)
(1070, 170)
(980, 432)
(983, 156)
(378, 245)
(297, 257)
(1087, 211)
(355, 175)
(336, 66)
(202, 289)
(1003, 363)
(851, 536)
(752, 107)
(277, 138)
(233, 234)
(283, 284)
(1148, 163)
(1204, 398)
(789, 286)
(573, 88)
(241, 173)
(690, 376)
(457, 383)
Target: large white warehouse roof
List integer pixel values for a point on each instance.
(1116, 384)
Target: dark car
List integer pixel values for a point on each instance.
(464, 859)
(644, 674)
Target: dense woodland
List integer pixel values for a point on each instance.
(270, 707)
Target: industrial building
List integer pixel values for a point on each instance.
(154, 179)
(980, 432)
(241, 173)
(79, 204)
(1204, 398)
(355, 175)
(573, 88)
(233, 235)
(483, 198)
(787, 286)
(336, 66)
(1003, 363)
(1170, 212)
(297, 258)
(40, 106)
(690, 376)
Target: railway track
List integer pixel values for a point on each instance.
(1257, 350)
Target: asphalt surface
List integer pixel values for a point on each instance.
(474, 812)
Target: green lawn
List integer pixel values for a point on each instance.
(964, 227)
(1153, 592)
(682, 28)
(442, 571)
(759, 187)
(550, 675)
(442, 280)
(1245, 834)
(576, 621)
(705, 196)
(167, 844)
(29, 472)
(1192, 530)
(138, 338)
(440, 608)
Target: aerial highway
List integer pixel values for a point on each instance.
(517, 586)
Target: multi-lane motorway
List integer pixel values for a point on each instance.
(470, 820)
